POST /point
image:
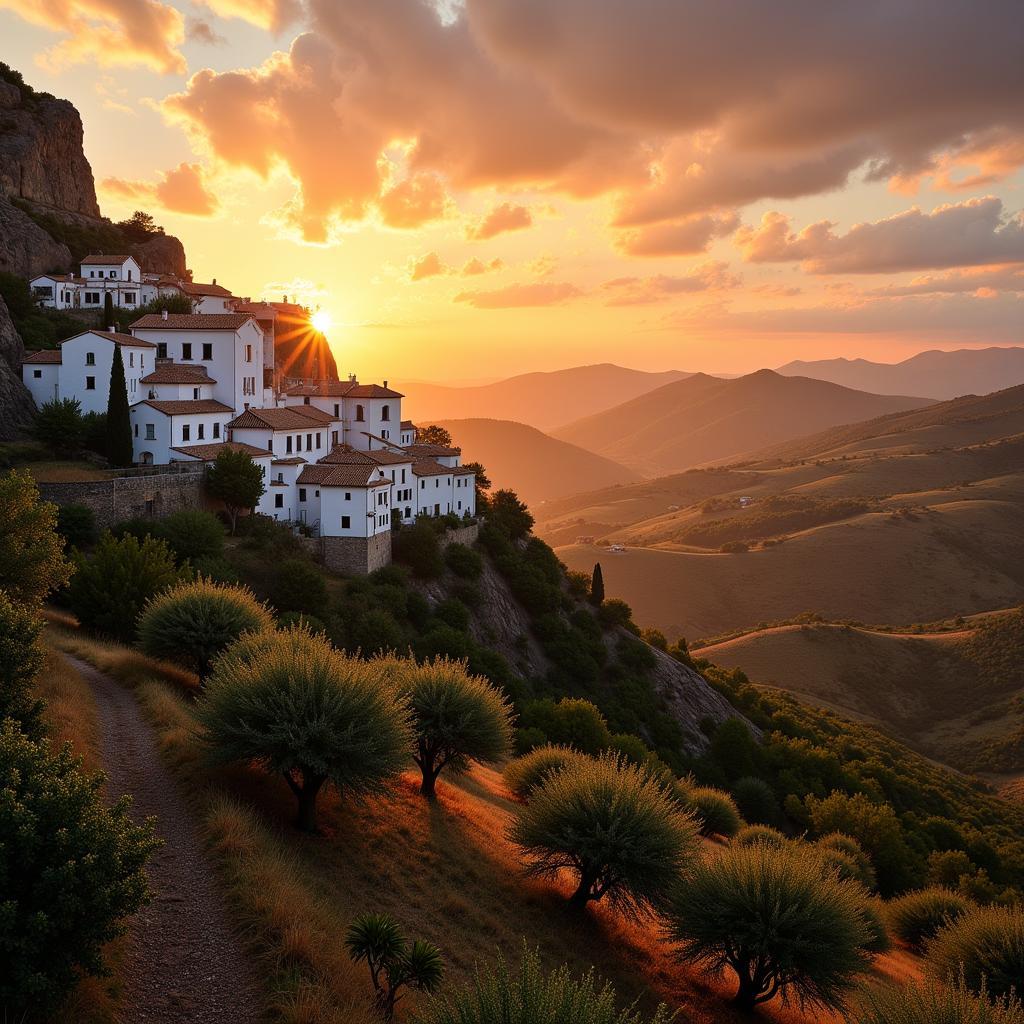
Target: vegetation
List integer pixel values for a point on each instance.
(776, 920)
(714, 810)
(457, 718)
(985, 948)
(59, 426)
(393, 963)
(298, 587)
(932, 1003)
(419, 547)
(73, 872)
(38, 328)
(21, 658)
(463, 561)
(615, 828)
(194, 622)
(918, 916)
(237, 481)
(752, 835)
(524, 774)
(290, 703)
(118, 423)
(190, 533)
(77, 525)
(755, 800)
(597, 586)
(433, 434)
(31, 560)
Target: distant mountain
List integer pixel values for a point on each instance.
(703, 419)
(933, 374)
(533, 464)
(544, 400)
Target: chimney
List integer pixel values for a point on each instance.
(112, 329)
(215, 280)
(285, 299)
(385, 383)
(163, 314)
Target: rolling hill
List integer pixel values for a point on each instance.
(543, 400)
(536, 466)
(934, 374)
(706, 419)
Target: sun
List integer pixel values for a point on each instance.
(321, 321)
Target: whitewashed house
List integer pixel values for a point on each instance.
(57, 291)
(40, 372)
(120, 276)
(85, 363)
(172, 381)
(208, 298)
(159, 427)
(286, 431)
(366, 411)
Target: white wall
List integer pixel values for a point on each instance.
(76, 370)
(169, 431)
(433, 495)
(311, 444)
(46, 386)
(366, 517)
(177, 392)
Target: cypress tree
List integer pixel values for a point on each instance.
(108, 312)
(119, 427)
(597, 586)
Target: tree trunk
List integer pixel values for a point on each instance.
(307, 794)
(429, 782)
(746, 995)
(582, 896)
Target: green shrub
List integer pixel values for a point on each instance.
(310, 623)
(773, 918)
(933, 1003)
(292, 704)
(77, 525)
(714, 810)
(524, 774)
(463, 561)
(852, 861)
(571, 722)
(986, 947)
(220, 570)
(874, 915)
(453, 613)
(59, 426)
(237, 481)
(192, 534)
(526, 995)
(456, 718)
(613, 826)
(765, 835)
(72, 870)
(755, 800)
(194, 622)
(21, 658)
(418, 547)
(299, 587)
(919, 916)
(615, 612)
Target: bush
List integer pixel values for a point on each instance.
(21, 658)
(457, 718)
(772, 918)
(299, 587)
(615, 612)
(418, 547)
(59, 425)
(524, 774)
(874, 915)
(192, 623)
(987, 946)
(192, 534)
(755, 800)
(499, 995)
(77, 525)
(931, 1003)
(919, 916)
(571, 722)
(848, 856)
(715, 811)
(298, 708)
(764, 835)
(613, 826)
(111, 587)
(310, 623)
(463, 561)
(72, 873)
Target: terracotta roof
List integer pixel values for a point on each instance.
(115, 337)
(389, 458)
(346, 455)
(428, 467)
(291, 460)
(323, 389)
(186, 408)
(432, 451)
(313, 413)
(462, 471)
(372, 391)
(46, 355)
(343, 476)
(315, 473)
(178, 373)
(285, 418)
(408, 425)
(191, 322)
(192, 288)
(208, 452)
(106, 261)
(67, 278)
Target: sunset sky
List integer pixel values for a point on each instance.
(478, 188)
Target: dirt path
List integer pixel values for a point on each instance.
(183, 962)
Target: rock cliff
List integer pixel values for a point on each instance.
(25, 248)
(16, 405)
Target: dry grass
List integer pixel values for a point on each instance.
(65, 471)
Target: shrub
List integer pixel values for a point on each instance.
(510, 515)
(299, 587)
(457, 718)
(237, 481)
(526, 995)
(220, 570)
(111, 587)
(772, 918)
(21, 658)
(874, 915)
(852, 861)
(393, 963)
(613, 826)
(463, 561)
(615, 612)
(715, 811)
(418, 547)
(524, 774)
(932, 1003)
(918, 916)
(310, 623)
(987, 946)
(571, 722)
(734, 547)
(192, 623)
(297, 707)
(764, 835)
(73, 872)
(77, 525)
(192, 534)
(755, 800)
(59, 426)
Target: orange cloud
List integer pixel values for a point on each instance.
(518, 295)
(181, 190)
(413, 202)
(473, 267)
(427, 266)
(640, 291)
(678, 238)
(970, 279)
(272, 15)
(503, 217)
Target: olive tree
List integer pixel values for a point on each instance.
(524, 774)
(777, 920)
(289, 702)
(617, 829)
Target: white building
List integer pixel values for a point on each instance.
(119, 276)
(308, 433)
(354, 500)
(159, 427)
(40, 372)
(208, 298)
(366, 411)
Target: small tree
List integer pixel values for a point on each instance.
(463, 561)
(985, 948)
(299, 587)
(457, 718)
(193, 534)
(237, 481)
(108, 312)
(194, 622)
(714, 810)
(393, 963)
(418, 547)
(919, 916)
(597, 586)
(292, 704)
(112, 585)
(611, 824)
(72, 872)
(524, 774)
(60, 426)
(119, 426)
(510, 514)
(774, 918)
(433, 434)
(32, 561)
(615, 612)
(21, 658)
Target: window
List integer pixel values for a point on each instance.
(136, 430)
(346, 522)
(385, 434)
(112, 274)
(288, 444)
(131, 358)
(403, 476)
(337, 414)
(348, 495)
(298, 442)
(359, 414)
(90, 383)
(270, 443)
(37, 374)
(460, 504)
(248, 353)
(161, 350)
(201, 432)
(385, 413)
(278, 501)
(92, 298)
(216, 430)
(129, 298)
(90, 358)
(334, 433)
(319, 440)
(309, 442)
(129, 278)
(186, 432)
(150, 432)
(207, 351)
(195, 393)
(305, 401)
(186, 350)
(302, 494)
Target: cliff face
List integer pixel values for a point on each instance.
(25, 248)
(161, 254)
(16, 405)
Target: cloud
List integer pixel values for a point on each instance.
(503, 217)
(473, 267)
(973, 233)
(108, 32)
(642, 291)
(518, 295)
(975, 280)
(680, 238)
(413, 202)
(273, 15)
(182, 189)
(427, 266)
(199, 31)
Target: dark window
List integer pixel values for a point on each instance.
(318, 440)
(346, 522)
(161, 350)
(302, 494)
(288, 444)
(129, 297)
(136, 430)
(348, 495)
(336, 412)
(305, 401)
(359, 414)
(150, 432)
(195, 393)
(298, 442)
(90, 358)
(207, 350)
(90, 383)
(216, 430)
(200, 431)
(186, 350)
(334, 434)
(278, 501)
(309, 442)
(385, 413)
(186, 432)
(37, 374)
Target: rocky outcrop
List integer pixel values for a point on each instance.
(161, 254)
(25, 248)
(16, 406)
(41, 155)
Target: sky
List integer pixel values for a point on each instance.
(476, 188)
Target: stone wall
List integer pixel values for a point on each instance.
(121, 498)
(356, 556)
(461, 535)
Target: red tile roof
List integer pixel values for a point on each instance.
(343, 476)
(408, 425)
(178, 373)
(372, 391)
(191, 322)
(116, 337)
(313, 413)
(46, 355)
(323, 389)
(193, 288)
(106, 261)
(346, 455)
(428, 467)
(186, 408)
(284, 418)
(432, 451)
(209, 452)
